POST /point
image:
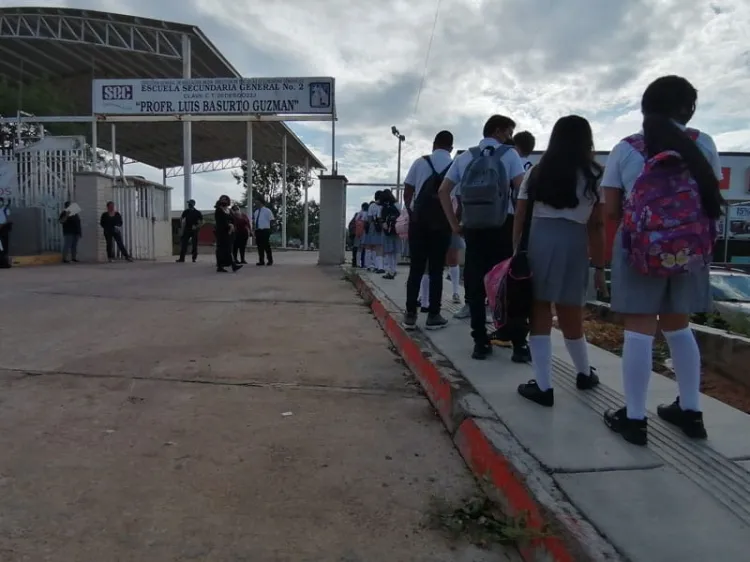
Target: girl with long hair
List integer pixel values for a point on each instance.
(224, 230)
(567, 229)
(647, 302)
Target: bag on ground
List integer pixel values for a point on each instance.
(485, 189)
(664, 229)
(427, 208)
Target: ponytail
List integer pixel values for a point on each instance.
(662, 134)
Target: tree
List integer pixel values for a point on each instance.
(268, 186)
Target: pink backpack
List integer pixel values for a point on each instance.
(402, 226)
(664, 228)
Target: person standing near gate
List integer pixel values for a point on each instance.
(224, 234)
(71, 227)
(191, 222)
(241, 234)
(111, 223)
(262, 218)
(5, 226)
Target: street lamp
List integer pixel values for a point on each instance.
(401, 138)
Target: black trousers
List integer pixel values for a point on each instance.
(112, 238)
(5, 241)
(485, 248)
(224, 250)
(354, 256)
(240, 243)
(187, 237)
(263, 241)
(427, 248)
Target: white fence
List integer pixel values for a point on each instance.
(46, 179)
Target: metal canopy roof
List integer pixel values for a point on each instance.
(69, 47)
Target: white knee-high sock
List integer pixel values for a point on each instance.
(368, 258)
(579, 354)
(390, 263)
(686, 358)
(378, 262)
(424, 291)
(541, 360)
(455, 273)
(637, 354)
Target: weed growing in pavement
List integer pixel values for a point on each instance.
(481, 522)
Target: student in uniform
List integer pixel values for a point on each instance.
(429, 232)
(391, 241)
(567, 223)
(6, 224)
(486, 247)
(191, 222)
(648, 301)
(524, 143)
(262, 220)
(375, 234)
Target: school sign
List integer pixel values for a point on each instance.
(214, 96)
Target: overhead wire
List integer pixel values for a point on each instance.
(427, 59)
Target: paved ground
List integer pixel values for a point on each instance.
(163, 412)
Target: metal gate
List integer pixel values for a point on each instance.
(46, 180)
(143, 206)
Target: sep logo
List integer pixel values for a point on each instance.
(113, 93)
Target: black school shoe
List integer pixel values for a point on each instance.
(435, 322)
(531, 391)
(689, 421)
(587, 382)
(521, 354)
(633, 431)
(482, 351)
(410, 321)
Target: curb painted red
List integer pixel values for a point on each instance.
(487, 463)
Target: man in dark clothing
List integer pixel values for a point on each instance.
(71, 227)
(111, 223)
(5, 226)
(191, 222)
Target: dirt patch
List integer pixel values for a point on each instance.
(609, 336)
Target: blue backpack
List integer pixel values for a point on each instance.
(485, 189)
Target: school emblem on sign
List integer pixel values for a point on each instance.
(320, 95)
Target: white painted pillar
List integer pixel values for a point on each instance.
(94, 143)
(283, 193)
(305, 241)
(187, 127)
(249, 158)
(113, 132)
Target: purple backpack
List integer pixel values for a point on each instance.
(664, 228)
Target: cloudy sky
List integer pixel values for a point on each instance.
(535, 60)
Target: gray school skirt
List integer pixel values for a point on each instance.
(457, 242)
(391, 244)
(558, 256)
(634, 293)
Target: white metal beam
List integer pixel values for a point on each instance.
(204, 167)
(208, 118)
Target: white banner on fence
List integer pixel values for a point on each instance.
(214, 96)
(8, 179)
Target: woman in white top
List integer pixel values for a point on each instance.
(646, 301)
(567, 223)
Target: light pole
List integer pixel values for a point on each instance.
(401, 138)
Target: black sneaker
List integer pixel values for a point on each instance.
(221, 270)
(531, 391)
(380, 271)
(521, 354)
(260, 263)
(633, 431)
(587, 382)
(481, 351)
(389, 276)
(689, 421)
(435, 322)
(410, 320)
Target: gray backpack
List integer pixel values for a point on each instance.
(485, 189)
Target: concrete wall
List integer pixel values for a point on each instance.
(163, 239)
(93, 190)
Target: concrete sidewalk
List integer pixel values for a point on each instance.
(155, 412)
(606, 499)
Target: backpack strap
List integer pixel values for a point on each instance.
(429, 162)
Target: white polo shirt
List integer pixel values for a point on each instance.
(262, 218)
(420, 170)
(511, 160)
(624, 163)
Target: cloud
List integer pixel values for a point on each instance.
(535, 60)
